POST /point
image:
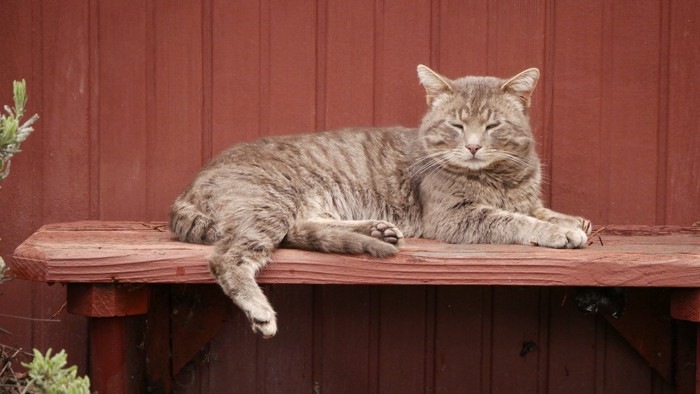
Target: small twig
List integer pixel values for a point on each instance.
(595, 234)
(14, 375)
(7, 364)
(29, 384)
(17, 350)
(598, 231)
(156, 227)
(60, 310)
(2, 371)
(30, 318)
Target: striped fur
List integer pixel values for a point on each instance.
(468, 174)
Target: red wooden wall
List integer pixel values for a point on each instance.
(135, 96)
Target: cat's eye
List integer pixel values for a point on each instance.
(457, 126)
(491, 126)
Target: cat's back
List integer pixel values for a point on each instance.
(353, 150)
(358, 173)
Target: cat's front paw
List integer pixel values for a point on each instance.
(562, 238)
(573, 222)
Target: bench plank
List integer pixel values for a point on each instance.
(137, 252)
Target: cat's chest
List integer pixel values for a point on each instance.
(462, 191)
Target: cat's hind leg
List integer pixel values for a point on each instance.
(375, 237)
(235, 263)
(251, 232)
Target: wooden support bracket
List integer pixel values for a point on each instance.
(198, 313)
(648, 329)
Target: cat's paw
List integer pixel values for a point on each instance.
(576, 238)
(386, 232)
(377, 248)
(562, 238)
(263, 321)
(573, 222)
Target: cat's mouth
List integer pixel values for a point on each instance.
(460, 160)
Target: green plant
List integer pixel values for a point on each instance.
(12, 132)
(46, 374)
(49, 375)
(3, 272)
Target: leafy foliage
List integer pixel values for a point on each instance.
(46, 373)
(12, 134)
(50, 375)
(3, 271)
(12, 131)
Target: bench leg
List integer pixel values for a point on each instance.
(117, 332)
(116, 359)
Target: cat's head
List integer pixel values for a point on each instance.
(475, 123)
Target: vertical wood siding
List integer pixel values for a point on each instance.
(135, 96)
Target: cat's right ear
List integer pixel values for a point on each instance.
(434, 83)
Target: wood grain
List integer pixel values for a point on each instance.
(133, 252)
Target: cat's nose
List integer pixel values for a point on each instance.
(473, 148)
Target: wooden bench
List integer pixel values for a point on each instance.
(114, 270)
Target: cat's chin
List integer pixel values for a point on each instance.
(475, 164)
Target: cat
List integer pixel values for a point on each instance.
(468, 174)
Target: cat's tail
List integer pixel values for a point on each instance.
(189, 224)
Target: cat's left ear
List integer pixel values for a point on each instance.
(522, 85)
(434, 83)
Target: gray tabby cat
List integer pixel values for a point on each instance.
(468, 174)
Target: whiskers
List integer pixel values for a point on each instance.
(454, 158)
(510, 159)
(430, 163)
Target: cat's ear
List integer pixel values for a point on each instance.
(434, 83)
(522, 85)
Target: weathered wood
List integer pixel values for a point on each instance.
(133, 252)
(107, 299)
